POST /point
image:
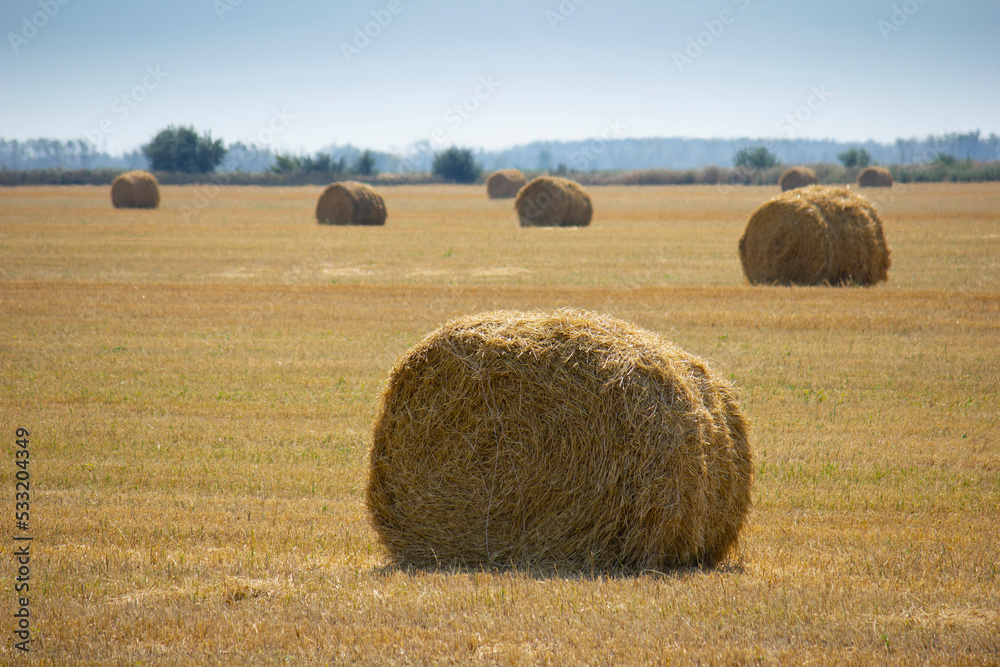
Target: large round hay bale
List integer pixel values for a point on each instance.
(350, 203)
(559, 438)
(550, 201)
(135, 189)
(814, 235)
(797, 177)
(875, 177)
(505, 183)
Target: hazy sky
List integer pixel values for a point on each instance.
(299, 75)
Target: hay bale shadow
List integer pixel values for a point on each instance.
(551, 571)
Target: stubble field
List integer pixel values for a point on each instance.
(199, 383)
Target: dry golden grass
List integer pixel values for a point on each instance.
(200, 387)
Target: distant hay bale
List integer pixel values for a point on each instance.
(797, 177)
(559, 438)
(350, 203)
(550, 201)
(505, 183)
(135, 189)
(875, 177)
(815, 235)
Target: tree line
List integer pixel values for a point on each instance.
(183, 151)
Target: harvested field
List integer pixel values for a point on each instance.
(200, 385)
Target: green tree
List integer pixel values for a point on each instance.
(855, 157)
(755, 158)
(286, 164)
(181, 149)
(292, 164)
(456, 165)
(365, 165)
(322, 162)
(945, 160)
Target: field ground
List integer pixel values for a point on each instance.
(199, 382)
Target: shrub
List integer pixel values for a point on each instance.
(456, 165)
(181, 149)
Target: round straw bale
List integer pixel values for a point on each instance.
(135, 189)
(561, 438)
(797, 177)
(350, 203)
(550, 201)
(814, 235)
(875, 177)
(505, 183)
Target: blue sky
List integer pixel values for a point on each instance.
(300, 75)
